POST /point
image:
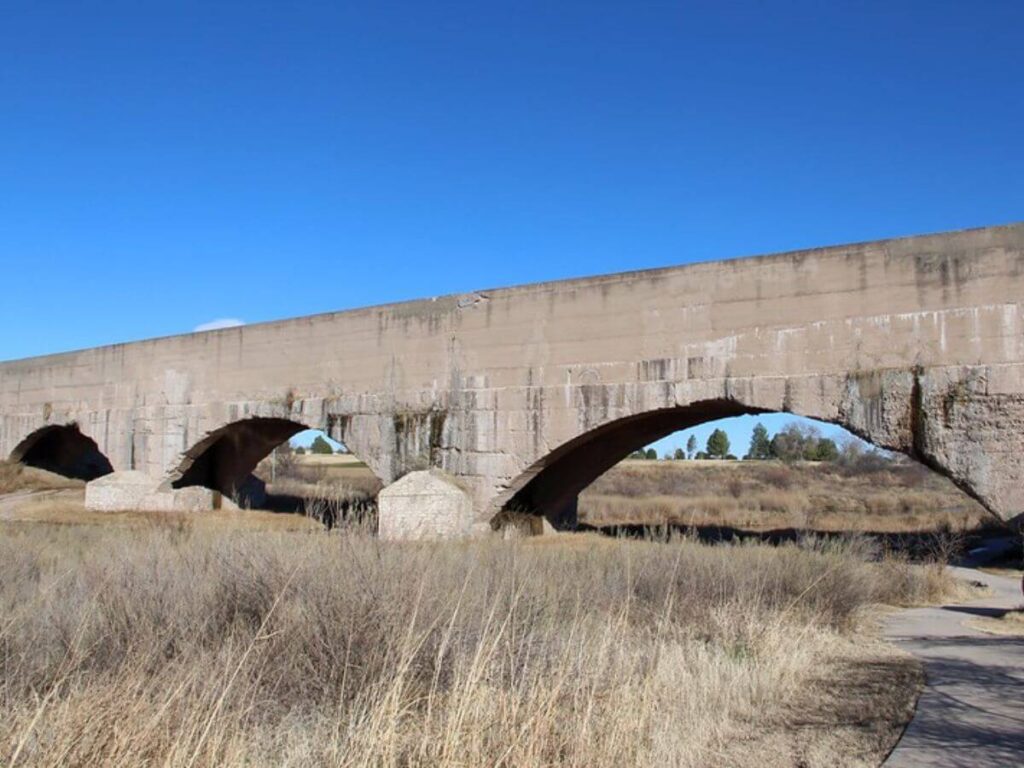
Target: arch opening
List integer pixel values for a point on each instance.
(552, 485)
(812, 475)
(280, 465)
(64, 450)
(224, 460)
(315, 475)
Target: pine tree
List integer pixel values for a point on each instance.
(826, 450)
(718, 444)
(760, 444)
(321, 446)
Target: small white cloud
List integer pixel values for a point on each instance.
(215, 325)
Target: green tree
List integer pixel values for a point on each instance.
(300, 451)
(321, 446)
(718, 444)
(789, 444)
(826, 450)
(650, 453)
(691, 446)
(796, 442)
(760, 444)
(679, 455)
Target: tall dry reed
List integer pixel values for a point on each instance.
(170, 646)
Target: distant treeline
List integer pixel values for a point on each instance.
(795, 442)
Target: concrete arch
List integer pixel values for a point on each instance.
(64, 449)
(225, 459)
(550, 485)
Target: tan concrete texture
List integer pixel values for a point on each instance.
(136, 491)
(427, 504)
(526, 394)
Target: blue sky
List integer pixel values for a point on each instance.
(165, 165)
(738, 428)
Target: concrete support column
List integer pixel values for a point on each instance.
(429, 504)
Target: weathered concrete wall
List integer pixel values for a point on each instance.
(916, 344)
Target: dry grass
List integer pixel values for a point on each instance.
(999, 570)
(16, 477)
(1010, 624)
(68, 508)
(339, 489)
(896, 497)
(174, 645)
(333, 476)
(332, 460)
(884, 496)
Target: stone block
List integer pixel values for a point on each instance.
(119, 491)
(428, 504)
(130, 491)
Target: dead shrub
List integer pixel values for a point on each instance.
(780, 477)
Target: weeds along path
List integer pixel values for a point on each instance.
(972, 709)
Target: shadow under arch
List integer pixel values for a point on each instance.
(224, 459)
(63, 449)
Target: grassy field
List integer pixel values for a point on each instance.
(31, 495)
(878, 496)
(251, 638)
(334, 478)
(883, 497)
(175, 641)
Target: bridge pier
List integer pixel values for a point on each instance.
(428, 504)
(432, 504)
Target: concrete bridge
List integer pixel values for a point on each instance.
(517, 398)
